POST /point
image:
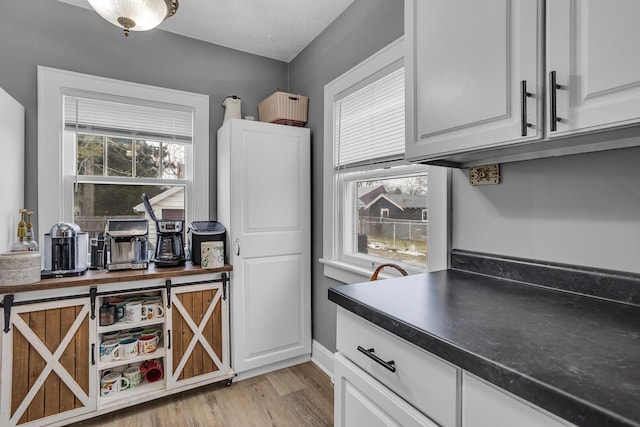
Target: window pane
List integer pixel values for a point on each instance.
(94, 204)
(90, 155)
(173, 162)
(391, 219)
(147, 159)
(119, 157)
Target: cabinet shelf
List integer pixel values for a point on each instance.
(120, 326)
(137, 393)
(158, 354)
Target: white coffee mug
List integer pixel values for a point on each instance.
(147, 344)
(133, 312)
(109, 350)
(152, 311)
(112, 383)
(134, 375)
(128, 348)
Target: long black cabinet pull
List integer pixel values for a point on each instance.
(169, 336)
(93, 354)
(523, 108)
(390, 365)
(553, 86)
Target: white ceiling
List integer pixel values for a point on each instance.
(277, 29)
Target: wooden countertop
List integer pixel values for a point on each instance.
(98, 277)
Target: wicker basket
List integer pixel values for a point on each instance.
(284, 108)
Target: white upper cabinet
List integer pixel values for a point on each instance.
(592, 46)
(469, 66)
(467, 62)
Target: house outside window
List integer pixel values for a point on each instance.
(373, 200)
(117, 140)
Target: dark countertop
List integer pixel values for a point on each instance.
(576, 356)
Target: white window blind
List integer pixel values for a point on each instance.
(370, 123)
(128, 119)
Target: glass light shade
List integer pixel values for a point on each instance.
(134, 15)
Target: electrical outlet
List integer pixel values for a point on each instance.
(484, 175)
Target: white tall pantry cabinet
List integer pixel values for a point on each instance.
(264, 203)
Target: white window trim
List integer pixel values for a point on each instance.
(335, 266)
(53, 201)
(383, 211)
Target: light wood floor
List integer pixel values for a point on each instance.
(298, 396)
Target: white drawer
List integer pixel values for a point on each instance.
(425, 381)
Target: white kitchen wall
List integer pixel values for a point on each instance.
(582, 209)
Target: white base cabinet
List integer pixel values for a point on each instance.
(382, 380)
(485, 405)
(51, 361)
(385, 368)
(360, 400)
(264, 203)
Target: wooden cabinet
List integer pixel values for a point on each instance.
(469, 66)
(264, 202)
(484, 405)
(467, 63)
(199, 334)
(592, 46)
(48, 364)
(51, 362)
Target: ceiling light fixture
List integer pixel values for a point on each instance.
(135, 15)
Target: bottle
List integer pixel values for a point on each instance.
(30, 241)
(21, 245)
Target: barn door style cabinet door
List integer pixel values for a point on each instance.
(199, 334)
(48, 363)
(472, 75)
(264, 201)
(593, 62)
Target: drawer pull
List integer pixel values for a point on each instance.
(390, 365)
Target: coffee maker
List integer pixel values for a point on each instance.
(65, 251)
(170, 244)
(127, 243)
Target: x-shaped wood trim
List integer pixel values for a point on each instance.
(52, 362)
(197, 334)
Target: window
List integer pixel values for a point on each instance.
(136, 148)
(103, 142)
(375, 204)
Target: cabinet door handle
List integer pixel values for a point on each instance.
(93, 354)
(238, 247)
(169, 336)
(390, 365)
(553, 86)
(523, 108)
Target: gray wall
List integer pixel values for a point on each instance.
(582, 209)
(54, 34)
(364, 28)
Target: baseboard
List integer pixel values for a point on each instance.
(322, 358)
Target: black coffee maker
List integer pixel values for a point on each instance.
(170, 244)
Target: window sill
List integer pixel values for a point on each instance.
(350, 274)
